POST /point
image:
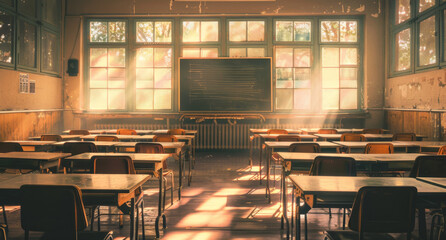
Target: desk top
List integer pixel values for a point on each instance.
(363, 144)
(33, 143)
(403, 157)
(64, 137)
(97, 143)
(441, 182)
(136, 157)
(274, 136)
(265, 130)
(137, 137)
(349, 185)
(175, 145)
(281, 144)
(41, 156)
(94, 183)
(430, 144)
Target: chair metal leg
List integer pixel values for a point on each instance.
(142, 221)
(172, 188)
(164, 193)
(137, 222)
(99, 218)
(343, 220)
(92, 218)
(5, 219)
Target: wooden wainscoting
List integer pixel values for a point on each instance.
(425, 123)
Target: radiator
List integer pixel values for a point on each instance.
(210, 136)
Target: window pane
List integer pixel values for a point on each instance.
(302, 57)
(330, 31)
(51, 11)
(116, 78)
(144, 78)
(163, 57)
(162, 99)
(402, 10)
(27, 7)
(163, 78)
(402, 54)
(349, 56)
(191, 52)
(98, 57)
(425, 4)
(348, 77)
(144, 99)
(209, 52)
(427, 50)
(27, 44)
(50, 53)
(144, 57)
(209, 31)
(444, 39)
(256, 52)
(6, 28)
(330, 77)
(284, 31)
(116, 57)
(256, 31)
(302, 31)
(116, 99)
(284, 77)
(237, 31)
(349, 99)
(144, 31)
(237, 52)
(98, 77)
(330, 99)
(284, 98)
(98, 31)
(191, 31)
(302, 99)
(330, 57)
(163, 32)
(284, 57)
(98, 99)
(116, 31)
(8, 2)
(302, 78)
(349, 31)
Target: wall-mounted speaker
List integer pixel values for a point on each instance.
(73, 67)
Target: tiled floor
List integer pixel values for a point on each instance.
(225, 201)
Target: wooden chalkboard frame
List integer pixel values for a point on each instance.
(229, 111)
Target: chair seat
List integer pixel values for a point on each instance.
(351, 235)
(82, 235)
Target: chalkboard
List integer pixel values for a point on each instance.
(225, 85)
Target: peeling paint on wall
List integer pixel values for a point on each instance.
(171, 5)
(278, 9)
(361, 8)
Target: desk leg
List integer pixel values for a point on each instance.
(268, 159)
(189, 177)
(422, 223)
(260, 159)
(132, 220)
(180, 174)
(284, 204)
(297, 216)
(250, 142)
(160, 205)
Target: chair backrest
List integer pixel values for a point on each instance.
(53, 209)
(126, 132)
(149, 147)
(373, 131)
(352, 137)
(384, 210)
(51, 137)
(429, 166)
(404, 137)
(333, 166)
(289, 138)
(113, 165)
(177, 131)
(79, 132)
(106, 138)
(165, 138)
(327, 131)
(78, 147)
(305, 147)
(10, 147)
(2, 233)
(379, 148)
(442, 150)
(277, 131)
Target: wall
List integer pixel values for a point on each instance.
(374, 32)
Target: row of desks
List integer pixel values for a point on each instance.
(139, 132)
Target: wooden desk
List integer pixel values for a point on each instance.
(128, 138)
(64, 137)
(35, 146)
(88, 183)
(311, 188)
(102, 146)
(369, 137)
(30, 160)
(265, 131)
(99, 131)
(428, 146)
(402, 147)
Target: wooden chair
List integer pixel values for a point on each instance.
(77, 148)
(373, 131)
(380, 210)
(165, 138)
(177, 131)
(10, 147)
(327, 131)
(379, 148)
(116, 165)
(277, 131)
(305, 148)
(442, 150)
(352, 137)
(288, 138)
(106, 138)
(126, 132)
(429, 166)
(58, 211)
(404, 137)
(51, 137)
(79, 132)
(158, 148)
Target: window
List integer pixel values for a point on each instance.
(27, 44)
(246, 38)
(427, 53)
(6, 36)
(200, 39)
